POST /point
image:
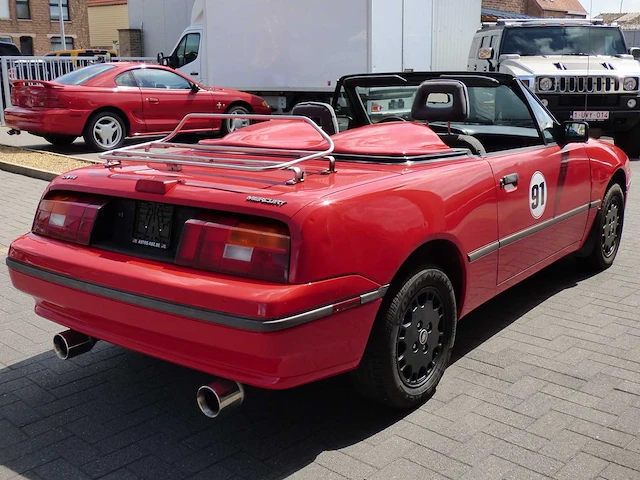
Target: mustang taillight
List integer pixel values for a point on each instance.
(251, 249)
(68, 217)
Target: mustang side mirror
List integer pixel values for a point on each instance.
(194, 88)
(635, 51)
(575, 132)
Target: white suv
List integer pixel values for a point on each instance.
(580, 69)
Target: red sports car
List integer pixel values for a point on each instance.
(287, 252)
(107, 102)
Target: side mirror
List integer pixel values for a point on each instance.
(575, 132)
(194, 88)
(485, 53)
(160, 58)
(635, 51)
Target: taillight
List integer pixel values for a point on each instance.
(254, 249)
(67, 217)
(49, 98)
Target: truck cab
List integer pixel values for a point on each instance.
(580, 69)
(186, 55)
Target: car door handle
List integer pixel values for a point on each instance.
(152, 100)
(511, 179)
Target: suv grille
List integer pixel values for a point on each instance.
(583, 84)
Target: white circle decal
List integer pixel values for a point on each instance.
(537, 195)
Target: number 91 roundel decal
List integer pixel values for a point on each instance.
(537, 195)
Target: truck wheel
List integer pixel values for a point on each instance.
(604, 239)
(231, 125)
(629, 142)
(105, 131)
(60, 140)
(411, 341)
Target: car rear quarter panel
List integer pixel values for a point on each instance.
(373, 230)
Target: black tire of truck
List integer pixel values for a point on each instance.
(411, 341)
(60, 140)
(629, 141)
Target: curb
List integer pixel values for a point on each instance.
(28, 171)
(72, 157)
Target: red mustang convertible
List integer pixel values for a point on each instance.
(107, 102)
(290, 251)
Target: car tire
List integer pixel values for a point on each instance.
(60, 140)
(404, 359)
(231, 125)
(602, 245)
(629, 142)
(105, 131)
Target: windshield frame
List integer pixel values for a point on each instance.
(349, 83)
(507, 30)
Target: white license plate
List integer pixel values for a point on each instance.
(593, 115)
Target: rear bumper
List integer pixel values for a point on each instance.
(60, 121)
(272, 352)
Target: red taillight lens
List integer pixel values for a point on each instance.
(68, 217)
(253, 249)
(49, 98)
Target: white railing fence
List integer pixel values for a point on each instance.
(46, 68)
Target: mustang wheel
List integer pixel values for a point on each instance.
(411, 341)
(105, 131)
(60, 140)
(231, 124)
(606, 233)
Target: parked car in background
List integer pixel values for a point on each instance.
(106, 103)
(580, 69)
(83, 52)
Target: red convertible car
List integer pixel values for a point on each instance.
(289, 251)
(107, 102)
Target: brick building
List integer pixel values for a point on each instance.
(539, 8)
(34, 26)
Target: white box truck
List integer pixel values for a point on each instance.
(293, 50)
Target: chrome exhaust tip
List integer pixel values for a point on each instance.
(220, 396)
(70, 344)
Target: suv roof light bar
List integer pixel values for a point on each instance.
(543, 21)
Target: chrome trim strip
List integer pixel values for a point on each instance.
(508, 240)
(186, 311)
(482, 251)
(514, 237)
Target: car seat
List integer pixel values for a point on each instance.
(321, 113)
(455, 109)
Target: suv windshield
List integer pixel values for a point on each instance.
(82, 75)
(563, 40)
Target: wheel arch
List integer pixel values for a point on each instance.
(619, 177)
(112, 109)
(239, 103)
(444, 253)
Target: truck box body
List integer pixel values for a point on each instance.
(292, 48)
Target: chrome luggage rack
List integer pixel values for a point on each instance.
(252, 159)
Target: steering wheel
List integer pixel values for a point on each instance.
(392, 118)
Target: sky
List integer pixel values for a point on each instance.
(594, 7)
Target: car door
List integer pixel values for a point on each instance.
(186, 57)
(167, 98)
(543, 191)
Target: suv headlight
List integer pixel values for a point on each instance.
(545, 84)
(630, 83)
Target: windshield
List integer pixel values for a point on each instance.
(82, 75)
(563, 40)
(497, 105)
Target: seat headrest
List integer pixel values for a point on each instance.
(321, 113)
(441, 100)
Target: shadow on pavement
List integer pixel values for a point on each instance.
(112, 408)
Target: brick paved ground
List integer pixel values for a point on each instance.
(546, 383)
